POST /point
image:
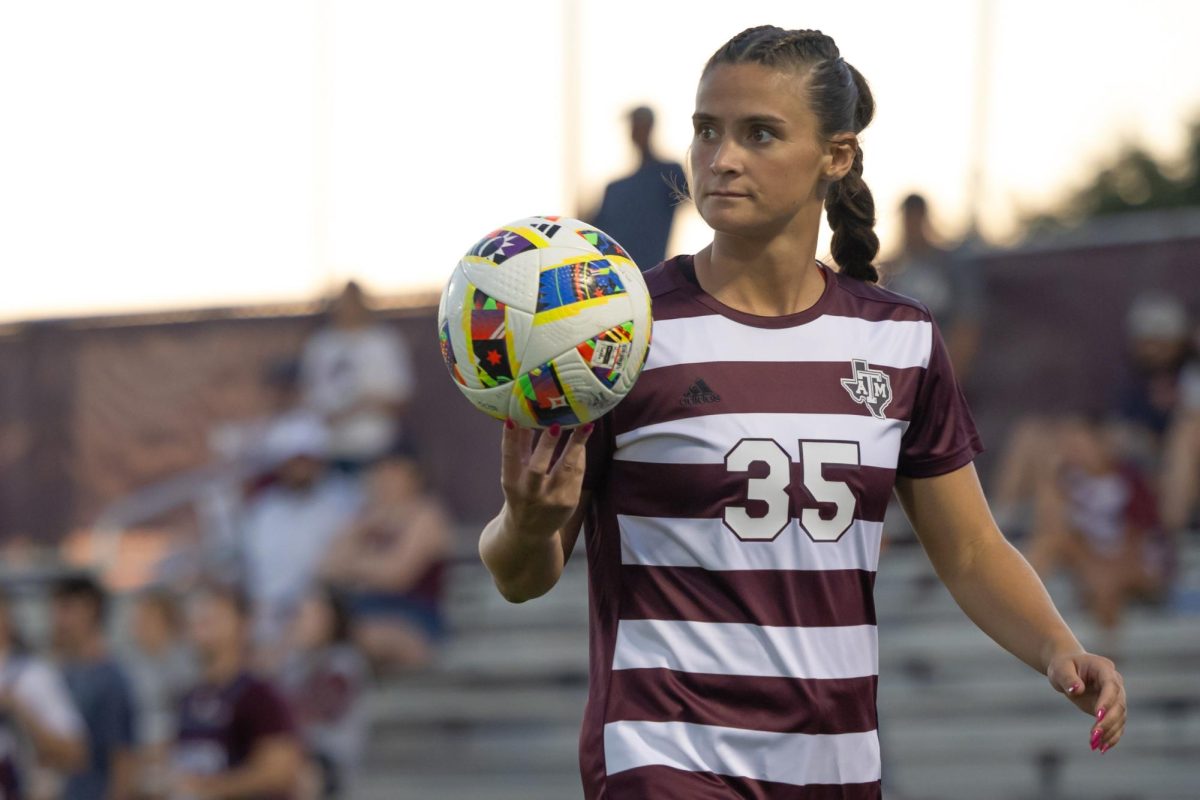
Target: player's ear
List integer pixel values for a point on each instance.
(839, 155)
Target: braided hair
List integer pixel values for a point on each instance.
(842, 101)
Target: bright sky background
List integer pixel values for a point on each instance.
(168, 154)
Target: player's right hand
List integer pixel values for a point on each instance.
(540, 492)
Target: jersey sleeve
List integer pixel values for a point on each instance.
(941, 436)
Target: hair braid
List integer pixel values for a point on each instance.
(842, 101)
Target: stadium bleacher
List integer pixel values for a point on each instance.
(498, 717)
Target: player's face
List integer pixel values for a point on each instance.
(757, 156)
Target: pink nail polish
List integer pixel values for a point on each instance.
(1095, 739)
(1105, 748)
(508, 423)
(1100, 715)
(555, 429)
(1073, 688)
(589, 427)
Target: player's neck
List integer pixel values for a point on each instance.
(769, 278)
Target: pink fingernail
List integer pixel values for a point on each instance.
(1100, 715)
(1075, 687)
(589, 427)
(1095, 739)
(508, 423)
(555, 429)
(1104, 749)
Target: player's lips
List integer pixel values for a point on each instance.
(727, 193)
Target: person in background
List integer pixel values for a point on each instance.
(639, 209)
(948, 284)
(357, 374)
(287, 527)
(1096, 516)
(161, 669)
(1180, 476)
(36, 708)
(1150, 389)
(235, 736)
(99, 688)
(323, 679)
(390, 562)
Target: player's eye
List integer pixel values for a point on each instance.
(760, 135)
(705, 132)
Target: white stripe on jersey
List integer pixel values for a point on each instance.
(888, 343)
(707, 543)
(795, 758)
(707, 439)
(740, 648)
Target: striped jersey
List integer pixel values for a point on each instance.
(738, 496)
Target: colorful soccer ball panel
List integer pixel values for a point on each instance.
(490, 340)
(608, 353)
(448, 353)
(545, 397)
(565, 284)
(604, 244)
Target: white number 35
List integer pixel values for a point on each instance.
(772, 489)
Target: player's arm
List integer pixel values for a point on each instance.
(527, 544)
(991, 581)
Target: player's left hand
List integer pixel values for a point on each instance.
(1093, 684)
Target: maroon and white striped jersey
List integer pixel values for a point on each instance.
(733, 538)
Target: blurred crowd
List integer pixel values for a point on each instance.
(239, 671)
(1104, 493)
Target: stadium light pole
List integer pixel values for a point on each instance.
(977, 173)
(572, 128)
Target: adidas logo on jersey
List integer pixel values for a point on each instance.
(699, 393)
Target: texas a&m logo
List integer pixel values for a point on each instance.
(869, 387)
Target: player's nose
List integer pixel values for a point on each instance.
(726, 158)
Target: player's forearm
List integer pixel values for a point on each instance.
(1003, 595)
(525, 563)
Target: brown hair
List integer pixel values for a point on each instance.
(842, 101)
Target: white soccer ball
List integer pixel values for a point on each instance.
(545, 320)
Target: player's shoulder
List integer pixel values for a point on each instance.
(664, 277)
(859, 298)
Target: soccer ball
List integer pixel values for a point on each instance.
(545, 320)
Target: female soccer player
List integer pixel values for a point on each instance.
(734, 500)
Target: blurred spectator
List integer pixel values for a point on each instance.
(1148, 393)
(1097, 518)
(100, 689)
(1157, 328)
(950, 284)
(357, 374)
(288, 526)
(1180, 481)
(323, 678)
(35, 708)
(639, 209)
(390, 564)
(161, 669)
(236, 737)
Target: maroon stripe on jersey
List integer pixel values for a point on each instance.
(644, 489)
(757, 387)
(652, 783)
(803, 598)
